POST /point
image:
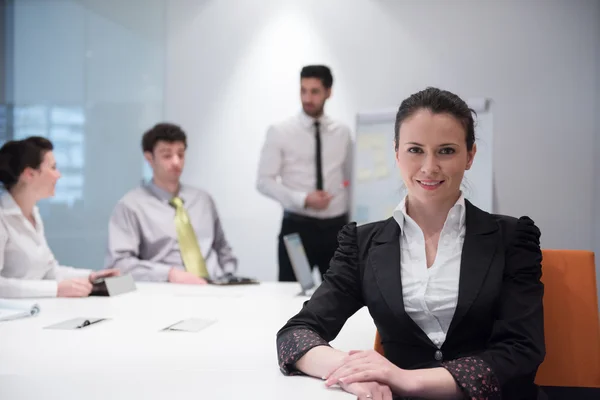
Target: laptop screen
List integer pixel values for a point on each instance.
(299, 261)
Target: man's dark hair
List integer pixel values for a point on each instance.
(165, 132)
(321, 72)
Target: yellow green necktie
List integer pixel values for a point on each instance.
(188, 244)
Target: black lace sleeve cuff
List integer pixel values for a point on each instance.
(475, 378)
(294, 344)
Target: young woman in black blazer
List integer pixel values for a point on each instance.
(455, 292)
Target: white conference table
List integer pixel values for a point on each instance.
(130, 357)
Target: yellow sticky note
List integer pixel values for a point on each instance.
(390, 211)
(372, 141)
(364, 174)
(378, 141)
(381, 172)
(379, 156)
(363, 142)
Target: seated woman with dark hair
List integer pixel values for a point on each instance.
(27, 266)
(455, 292)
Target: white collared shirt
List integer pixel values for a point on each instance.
(287, 168)
(27, 266)
(431, 294)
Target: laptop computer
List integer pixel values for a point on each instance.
(300, 264)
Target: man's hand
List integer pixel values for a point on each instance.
(180, 276)
(319, 200)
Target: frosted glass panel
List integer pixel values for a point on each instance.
(89, 76)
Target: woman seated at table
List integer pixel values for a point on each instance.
(27, 266)
(454, 291)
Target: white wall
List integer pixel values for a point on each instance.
(232, 68)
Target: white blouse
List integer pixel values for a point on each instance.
(431, 294)
(27, 266)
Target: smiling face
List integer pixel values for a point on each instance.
(432, 156)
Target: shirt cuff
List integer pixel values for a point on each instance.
(299, 199)
(71, 273)
(475, 378)
(293, 345)
(48, 288)
(160, 273)
(229, 268)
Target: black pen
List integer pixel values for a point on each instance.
(87, 322)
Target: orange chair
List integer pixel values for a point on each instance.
(571, 322)
(378, 347)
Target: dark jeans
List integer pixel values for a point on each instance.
(319, 237)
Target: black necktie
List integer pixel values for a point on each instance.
(318, 160)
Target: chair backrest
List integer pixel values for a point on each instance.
(378, 347)
(571, 321)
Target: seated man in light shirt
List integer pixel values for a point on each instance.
(143, 236)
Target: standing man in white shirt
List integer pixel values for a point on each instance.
(305, 165)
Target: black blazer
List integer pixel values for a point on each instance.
(498, 324)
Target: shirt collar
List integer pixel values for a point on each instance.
(308, 122)
(454, 221)
(163, 195)
(10, 207)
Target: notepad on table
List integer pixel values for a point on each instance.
(10, 310)
(190, 325)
